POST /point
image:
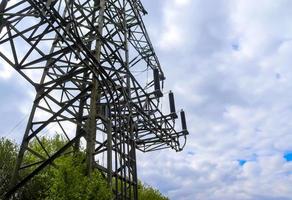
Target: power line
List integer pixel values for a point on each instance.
(18, 124)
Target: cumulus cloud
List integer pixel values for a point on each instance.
(229, 63)
(5, 72)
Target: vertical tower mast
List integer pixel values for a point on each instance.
(82, 57)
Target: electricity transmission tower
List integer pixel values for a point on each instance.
(98, 83)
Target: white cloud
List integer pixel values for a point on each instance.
(172, 32)
(5, 72)
(182, 2)
(230, 64)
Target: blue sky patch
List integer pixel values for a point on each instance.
(241, 162)
(235, 47)
(288, 157)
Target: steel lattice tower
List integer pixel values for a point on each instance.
(82, 57)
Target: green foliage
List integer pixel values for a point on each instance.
(37, 188)
(146, 192)
(51, 145)
(8, 152)
(67, 181)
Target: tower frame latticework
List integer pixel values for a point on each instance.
(84, 58)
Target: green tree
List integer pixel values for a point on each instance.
(146, 192)
(39, 185)
(8, 152)
(64, 181)
(68, 182)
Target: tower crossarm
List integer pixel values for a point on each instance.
(160, 129)
(138, 36)
(97, 78)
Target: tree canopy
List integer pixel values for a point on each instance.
(65, 182)
(146, 192)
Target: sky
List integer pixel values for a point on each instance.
(229, 64)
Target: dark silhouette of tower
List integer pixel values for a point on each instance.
(98, 82)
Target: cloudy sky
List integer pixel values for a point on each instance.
(229, 63)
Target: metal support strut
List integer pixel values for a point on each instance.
(99, 82)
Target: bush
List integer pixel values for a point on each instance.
(8, 152)
(67, 181)
(146, 192)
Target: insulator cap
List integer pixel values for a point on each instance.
(156, 77)
(183, 120)
(172, 105)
